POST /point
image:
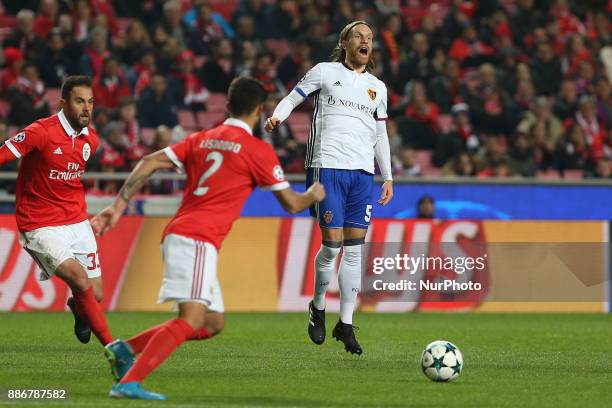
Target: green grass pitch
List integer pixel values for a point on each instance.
(266, 360)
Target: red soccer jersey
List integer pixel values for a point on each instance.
(223, 166)
(49, 190)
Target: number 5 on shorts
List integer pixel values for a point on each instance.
(368, 213)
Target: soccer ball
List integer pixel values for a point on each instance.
(441, 361)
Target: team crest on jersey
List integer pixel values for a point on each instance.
(328, 216)
(372, 93)
(86, 151)
(278, 173)
(19, 137)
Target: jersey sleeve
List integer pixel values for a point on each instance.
(381, 109)
(268, 172)
(311, 82)
(177, 153)
(30, 138)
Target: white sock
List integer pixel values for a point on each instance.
(349, 278)
(325, 265)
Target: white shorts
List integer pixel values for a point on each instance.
(50, 246)
(190, 272)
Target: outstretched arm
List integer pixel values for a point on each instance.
(108, 217)
(293, 202)
(284, 109)
(382, 151)
(6, 155)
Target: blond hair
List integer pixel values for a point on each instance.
(339, 53)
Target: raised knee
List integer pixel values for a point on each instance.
(216, 326)
(78, 280)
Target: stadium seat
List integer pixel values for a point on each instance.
(187, 119)
(299, 122)
(573, 174)
(423, 158)
(216, 102)
(208, 120)
(7, 21)
(52, 96)
(549, 174)
(280, 48)
(431, 172)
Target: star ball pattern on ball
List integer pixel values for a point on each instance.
(441, 361)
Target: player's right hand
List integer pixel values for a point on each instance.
(317, 191)
(272, 123)
(105, 220)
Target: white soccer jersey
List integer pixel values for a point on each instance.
(347, 105)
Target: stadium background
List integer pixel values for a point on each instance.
(499, 111)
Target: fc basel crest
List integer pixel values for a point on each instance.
(327, 216)
(372, 93)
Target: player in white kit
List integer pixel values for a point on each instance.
(348, 131)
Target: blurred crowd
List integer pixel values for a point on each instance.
(483, 88)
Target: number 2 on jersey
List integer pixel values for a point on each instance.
(217, 159)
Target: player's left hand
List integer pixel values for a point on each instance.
(105, 220)
(386, 193)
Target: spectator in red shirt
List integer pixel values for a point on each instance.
(468, 49)
(205, 31)
(14, 62)
(143, 71)
(48, 12)
(27, 98)
(575, 54)
(110, 86)
(586, 118)
(264, 71)
(568, 23)
(190, 93)
(129, 123)
(421, 124)
(92, 61)
(23, 36)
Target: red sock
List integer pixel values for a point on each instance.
(90, 310)
(162, 344)
(139, 341)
